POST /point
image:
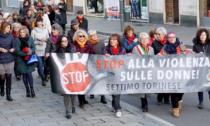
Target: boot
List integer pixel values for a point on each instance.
(32, 92)
(200, 106)
(180, 104)
(27, 92)
(91, 96)
(9, 98)
(176, 112)
(103, 99)
(46, 78)
(43, 80)
(2, 90)
(145, 109)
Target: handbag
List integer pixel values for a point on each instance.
(33, 59)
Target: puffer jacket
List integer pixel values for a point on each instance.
(7, 41)
(129, 47)
(22, 11)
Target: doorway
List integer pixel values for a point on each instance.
(95, 8)
(70, 4)
(172, 11)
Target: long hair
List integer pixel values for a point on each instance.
(50, 8)
(58, 45)
(4, 25)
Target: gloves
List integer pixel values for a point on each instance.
(30, 52)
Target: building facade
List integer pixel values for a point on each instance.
(191, 13)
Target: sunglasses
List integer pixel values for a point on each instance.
(81, 36)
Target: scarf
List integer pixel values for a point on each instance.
(24, 42)
(54, 38)
(162, 41)
(81, 44)
(146, 49)
(171, 48)
(130, 38)
(40, 6)
(115, 50)
(15, 34)
(80, 19)
(94, 41)
(28, 17)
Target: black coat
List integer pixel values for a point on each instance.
(52, 17)
(84, 23)
(63, 12)
(71, 32)
(200, 47)
(22, 11)
(157, 46)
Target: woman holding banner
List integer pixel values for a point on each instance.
(115, 48)
(143, 49)
(129, 38)
(63, 46)
(174, 46)
(157, 45)
(201, 45)
(82, 45)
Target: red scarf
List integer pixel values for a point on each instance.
(115, 50)
(80, 19)
(130, 39)
(40, 6)
(146, 49)
(162, 41)
(15, 34)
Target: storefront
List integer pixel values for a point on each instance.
(95, 7)
(204, 13)
(139, 10)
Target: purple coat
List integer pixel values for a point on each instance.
(108, 50)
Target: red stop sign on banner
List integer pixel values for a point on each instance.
(75, 77)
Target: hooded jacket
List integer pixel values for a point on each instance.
(37, 34)
(200, 47)
(7, 41)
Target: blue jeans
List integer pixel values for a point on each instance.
(200, 96)
(135, 7)
(41, 60)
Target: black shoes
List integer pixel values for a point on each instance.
(8, 91)
(32, 92)
(81, 105)
(27, 92)
(167, 102)
(91, 96)
(2, 90)
(18, 77)
(73, 110)
(103, 100)
(145, 109)
(68, 116)
(46, 77)
(43, 80)
(86, 102)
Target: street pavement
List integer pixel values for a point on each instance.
(48, 109)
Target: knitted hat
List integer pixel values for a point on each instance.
(171, 32)
(6, 15)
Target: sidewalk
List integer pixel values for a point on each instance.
(47, 109)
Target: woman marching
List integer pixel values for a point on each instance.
(143, 49)
(25, 43)
(174, 46)
(115, 48)
(7, 48)
(40, 35)
(63, 46)
(201, 45)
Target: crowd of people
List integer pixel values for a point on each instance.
(39, 29)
